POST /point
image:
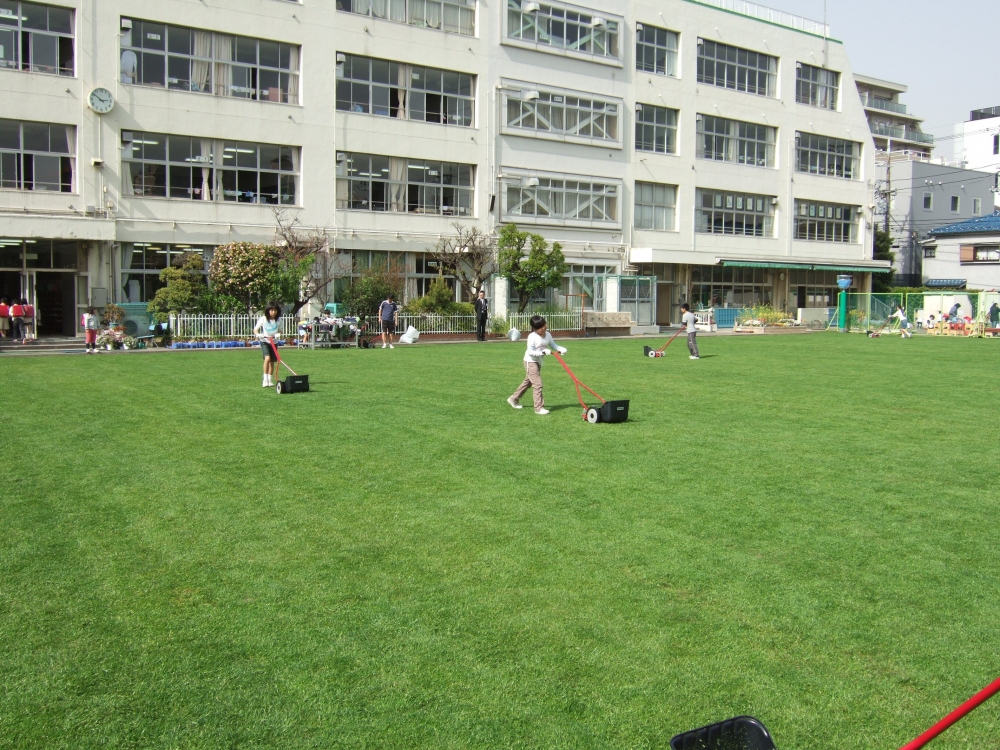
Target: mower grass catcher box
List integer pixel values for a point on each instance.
(293, 384)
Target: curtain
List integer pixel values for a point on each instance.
(397, 10)
(397, 186)
(296, 168)
(127, 250)
(223, 71)
(201, 68)
(293, 78)
(127, 188)
(71, 144)
(207, 189)
(402, 81)
(432, 14)
(379, 8)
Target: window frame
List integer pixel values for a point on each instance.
(735, 143)
(21, 34)
(955, 205)
(670, 131)
(732, 68)
(810, 222)
(23, 160)
(726, 203)
(824, 157)
(517, 179)
(150, 276)
(651, 207)
(671, 56)
(409, 15)
(928, 201)
(977, 206)
(514, 32)
(817, 87)
(613, 107)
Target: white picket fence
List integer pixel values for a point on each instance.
(572, 320)
(224, 326)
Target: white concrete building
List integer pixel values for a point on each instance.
(979, 144)
(683, 139)
(893, 128)
(963, 255)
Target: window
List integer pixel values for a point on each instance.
(977, 206)
(390, 89)
(816, 87)
(930, 252)
(155, 165)
(455, 16)
(979, 254)
(562, 27)
(36, 38)
(955, 204)
(143, 261)
(734, 141)
(723, 212)
(366, 182)
(655, 206)
(928, 201)
(736, 68)
(831, 157)
(655, 129)
(37, 156)
(655, 50)
(561, 199)
(17, 254)
(183, 59)
(815, 288)
(996, 144)
(826, 222)
(583, 287)
(726, 286)
(564, 114)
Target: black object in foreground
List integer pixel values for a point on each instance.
(293, 384)
(609, 411)
(740, 733)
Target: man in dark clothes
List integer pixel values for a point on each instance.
(482, 315)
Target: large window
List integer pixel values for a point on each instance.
(655, 50)
(143, 261)
(725, 286)
(63, 255)
(816, 87)
(36, 38)
(655, 129)
(37, 156)
(655, 206)
(561, 199)
(562, 113)
(832, 157)
(814, 288)
(720, 139)
(366, 182)
(736, 68)
(156, 165)
(562, 27)
(826, 222)
(456, 16)
(176, 57)
(724, 212)
(390, 89)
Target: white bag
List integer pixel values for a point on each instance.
(410, 337)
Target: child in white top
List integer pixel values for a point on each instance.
(540, 343)
(904, 324)
(90, 326)
(266, 330)
(688, 320)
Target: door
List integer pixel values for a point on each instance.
(664, 294)
(55, 304)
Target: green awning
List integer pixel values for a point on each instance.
(853, 269)
(802, 266)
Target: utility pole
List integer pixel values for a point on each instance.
(888, 183)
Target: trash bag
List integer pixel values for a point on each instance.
(410, 337)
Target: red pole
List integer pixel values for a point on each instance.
(959, 713)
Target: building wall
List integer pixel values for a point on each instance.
(97, 211)
(947, 263)
(979, 147)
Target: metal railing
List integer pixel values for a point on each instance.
(875, 103)
(905, 134)
(224, 326)
(763, 13)
(571, 320)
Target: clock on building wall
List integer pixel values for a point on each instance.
(101, 101)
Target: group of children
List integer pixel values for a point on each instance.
(17, 319)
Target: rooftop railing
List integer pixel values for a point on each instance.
(884, 104)
(904, 134)
(763, 13)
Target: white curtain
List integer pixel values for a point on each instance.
(71, 144)
(379, 8)
(296, 168)
(201, 68)
(293, 78)
(402, 80)
(207, 191)
(432, 14)
(397, 186)
(397, 10)
(223, 71)
(127, 187)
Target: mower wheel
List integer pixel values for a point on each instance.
(652, 353)
(593, 416)
(277, 387)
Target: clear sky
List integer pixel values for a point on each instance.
(944, 51)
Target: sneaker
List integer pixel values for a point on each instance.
(541, 411)
(514, 403)
(391, 346)
(383, 346)
(694, 357)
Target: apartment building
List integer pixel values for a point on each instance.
(893, 128)
(705, 144)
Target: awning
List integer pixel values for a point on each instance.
(756, 264)
(945, 283)
(853, 269)
(804, 266)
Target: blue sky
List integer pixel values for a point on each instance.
(941, 50)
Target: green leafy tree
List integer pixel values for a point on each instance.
(533, 271)
(185, 284)
(367, 291)
(882, 282)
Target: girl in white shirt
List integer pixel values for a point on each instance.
(267, 330)
(540, 343)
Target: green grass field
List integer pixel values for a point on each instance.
(802, 528)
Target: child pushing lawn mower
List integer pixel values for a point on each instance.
(540, 343)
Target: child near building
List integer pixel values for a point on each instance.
(540, 343)
(90, 326)
(17, 320)
(4, 318)
(904, 324)
(267, 330)
(688, 320)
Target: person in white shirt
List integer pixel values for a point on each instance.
(688, 320)
(267, 330)
(540, 343)
(904, 324)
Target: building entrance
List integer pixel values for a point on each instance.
(10, 285)
(55, 302)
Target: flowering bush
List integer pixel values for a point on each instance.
(112, 337)
(247, 272)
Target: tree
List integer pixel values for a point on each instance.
(249, 273)
(304, 271)
(882, 282)
(367, 291)
(533, 272)
(185, 284)
(470, 256)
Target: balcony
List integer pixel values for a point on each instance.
(901, 134)
(763, 13)
(884, 104)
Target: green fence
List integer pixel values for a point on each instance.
(869, 312)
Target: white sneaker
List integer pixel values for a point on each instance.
(391, 346)
(383, 346)
(265, 384)
(514, 403)
(541, 411)
(694, 357)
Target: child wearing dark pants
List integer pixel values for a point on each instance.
(688, 320)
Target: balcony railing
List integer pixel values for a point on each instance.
(903, 134)
(763, 13)
(884, 104)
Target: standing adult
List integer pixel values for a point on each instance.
(688, 321)
(994, 316)
(482, 306)
(388, 315)
(267, 332)
(5, 318)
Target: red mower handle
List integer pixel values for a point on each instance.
(955, 716)
(578, 384)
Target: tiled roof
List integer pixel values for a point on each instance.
(980, 225)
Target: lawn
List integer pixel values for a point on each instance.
(801, 528)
